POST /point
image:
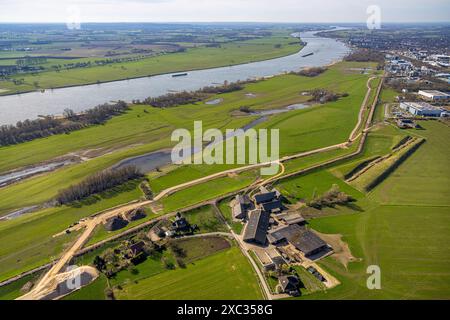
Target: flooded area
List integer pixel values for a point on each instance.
(15, 176)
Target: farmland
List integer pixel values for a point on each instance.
(148, 129)
(225, 275)
(401, 225)
(140, 123)
(78, 67)
(395, 226)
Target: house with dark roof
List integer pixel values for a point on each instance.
(301, 238)
(256, 227)
(265, 197)
(274, 206)
(137, 248)
(308, 242)
(240, 206)
(292, 218)
(180, 224)
(289, 285)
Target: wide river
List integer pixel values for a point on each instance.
(53, 102)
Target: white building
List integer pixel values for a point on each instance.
(422, 109)
(434, 95)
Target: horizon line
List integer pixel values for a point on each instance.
(192, 22)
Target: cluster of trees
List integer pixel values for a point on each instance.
(29, 130)
(97, 183)
(324, 96)
(429, 84)
(310, 72)
(367, 55)
(331, 198)
(112, 261)
(174, 99)
(189, 97)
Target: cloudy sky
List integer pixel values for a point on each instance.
(222, 10)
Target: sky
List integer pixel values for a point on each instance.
(299, 11)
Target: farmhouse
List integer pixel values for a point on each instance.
(180, 224)
(137, 248)
(265, 197)
(273, 207)
(269, 258)
(269, 201)
(422, 109)
(301, 238)
(292, 218)
(289, 285)
(256, 228)
(434, 95)
(240, 206)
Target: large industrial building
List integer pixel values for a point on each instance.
(422, 109)
(434, 95)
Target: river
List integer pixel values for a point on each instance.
(18, 107)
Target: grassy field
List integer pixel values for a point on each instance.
(193, 59)
(206, 220)
(14, 289)
(207, 191)
(401, 226)
(153, 129)
(139, 132)
(426, 178)
(94, 291)
(225, 275)
(224, 207)
(27, 241)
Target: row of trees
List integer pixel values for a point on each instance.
(29, 130)
(188, 97)
(310, 72)
(97, 183)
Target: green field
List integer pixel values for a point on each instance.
(402, 226)
(153, 128)
(20, 253)
(206, 220)
(94, 291)
(225, 209)
(193, 59)
(225, 275)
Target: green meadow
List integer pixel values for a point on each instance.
(224, 275)
(193, 59)
(403, 225)
(145, 129)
